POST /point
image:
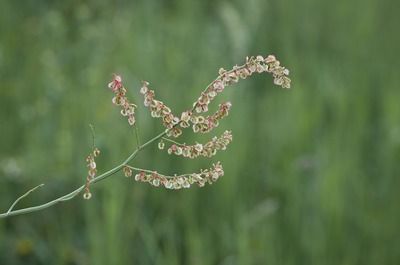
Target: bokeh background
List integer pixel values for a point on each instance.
(312, 176)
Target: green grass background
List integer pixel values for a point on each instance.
(312, 176)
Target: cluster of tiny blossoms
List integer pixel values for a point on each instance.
(257, 64)
(193, 118)
(280, 73)
(91, 165)
(120, 99)
(182, 181)
(207, 150)
(206, 124)
(159, 110)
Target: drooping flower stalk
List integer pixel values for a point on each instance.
(253, 65)
(202, 124)
(159, 110)
(257, 64)
(120, 99)
(92, 170)
(206, 124)
(208, 149)
(179, 181)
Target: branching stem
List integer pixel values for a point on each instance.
(105, 175)
(280, 78)
(74, 193)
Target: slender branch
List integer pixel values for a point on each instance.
(137, 135)
(172, 141)
(93, 136)
(23, 196)
(152, 171)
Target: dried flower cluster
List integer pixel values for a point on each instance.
(280, 73)
(202, 124)
(206, 124)
(91, 165)
(193, 118)
(120, 99)
(257, 64)
(127, 171)
(207, 150)
(173, 125)
(159, 110)
(182, 181)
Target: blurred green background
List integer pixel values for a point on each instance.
(312, 176)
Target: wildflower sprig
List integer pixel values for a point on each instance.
(159, 110)
(92, 171)
(206, 124)
(177, 182)
(120, 99)
(208, 149)
(173, 125)
(225, 78)
(257, 64)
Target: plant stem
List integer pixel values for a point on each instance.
(105, 175)
(137, 135)
(74, 193)
(152, 171)
(23, 196)
(172, 141)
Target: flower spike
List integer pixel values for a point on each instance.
(180, 181)
(206, 150)
(159, 110)
(120, 99)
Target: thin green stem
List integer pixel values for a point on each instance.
(74, 193)
(137, 135)
(141, 169)
(152, 171)
(93, 136)
(23, 196)
(172, 141)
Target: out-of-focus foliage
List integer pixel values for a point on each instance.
(312, 176)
